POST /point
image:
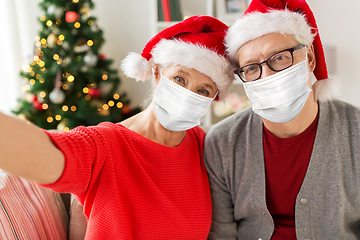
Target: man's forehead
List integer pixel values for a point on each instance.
(268, 43)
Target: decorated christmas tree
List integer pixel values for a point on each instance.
(69, 82)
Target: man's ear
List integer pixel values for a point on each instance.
(311, 57)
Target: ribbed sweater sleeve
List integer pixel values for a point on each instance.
(81, 147)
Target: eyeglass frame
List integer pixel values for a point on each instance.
(291, 50)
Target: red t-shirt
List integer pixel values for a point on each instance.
(286, 162)
(134, 188)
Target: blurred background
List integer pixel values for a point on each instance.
(128, 25)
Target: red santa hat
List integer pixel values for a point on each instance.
(286, 17)
(197, 42)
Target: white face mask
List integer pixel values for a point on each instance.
(178, 108)
(281, 96)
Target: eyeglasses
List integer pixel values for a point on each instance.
(276, 62)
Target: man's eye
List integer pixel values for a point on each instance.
(279, 58)
(251, 69)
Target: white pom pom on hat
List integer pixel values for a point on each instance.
(197, 42)
(283, 16)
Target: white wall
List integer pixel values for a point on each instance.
(126, 29)
(126, 26)
(338, 23)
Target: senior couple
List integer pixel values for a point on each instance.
(287, 168)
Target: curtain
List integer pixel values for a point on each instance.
(19, 28)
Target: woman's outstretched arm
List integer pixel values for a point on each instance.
(27, 151)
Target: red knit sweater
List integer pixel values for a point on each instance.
(134, 188)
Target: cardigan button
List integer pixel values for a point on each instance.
(304, 201)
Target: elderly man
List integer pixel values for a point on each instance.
(289, 168)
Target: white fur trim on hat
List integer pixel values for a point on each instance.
(327, 89)
(256, 24)
(135, 66)
(175, 52)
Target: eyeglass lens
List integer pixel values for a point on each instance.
(277, 62)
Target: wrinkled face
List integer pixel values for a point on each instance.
(259, 50)
(191, 79)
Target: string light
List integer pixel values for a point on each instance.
(61, 37)
(119, 105)
(75, 1)
(41, 63)
(32, 82)
(56, 56)
(116, 96)
(88, 97)
(77, 25)
(49, 119)
(41, 80)
(65, 108)
(73, 108)
(59, 61)
(85, 90)
(49, 23)
(43, 41)
(58, 117)
(90, 43)
(58, 22)
(104, 77)
(70, 78)
(29, 97)
(59, 42)
(105, 106)
(111, 103)
(90, 22)
(38, 76)
(36, 58)
(43, 18)
(44, 106)
(42, 94)
(37, 38)
(38, 44)
(66, 129)
(65, 86)
(32, 73)
(27, 88)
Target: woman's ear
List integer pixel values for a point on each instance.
(311, 57)
(157, 74)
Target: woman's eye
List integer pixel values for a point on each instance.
(179, 80)
(204, 92)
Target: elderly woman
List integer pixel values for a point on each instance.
(143, 178)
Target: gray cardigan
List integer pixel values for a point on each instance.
(328, 203)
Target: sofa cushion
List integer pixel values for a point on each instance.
(29, 211)
(78, 221)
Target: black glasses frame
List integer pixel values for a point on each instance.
(291, 50)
